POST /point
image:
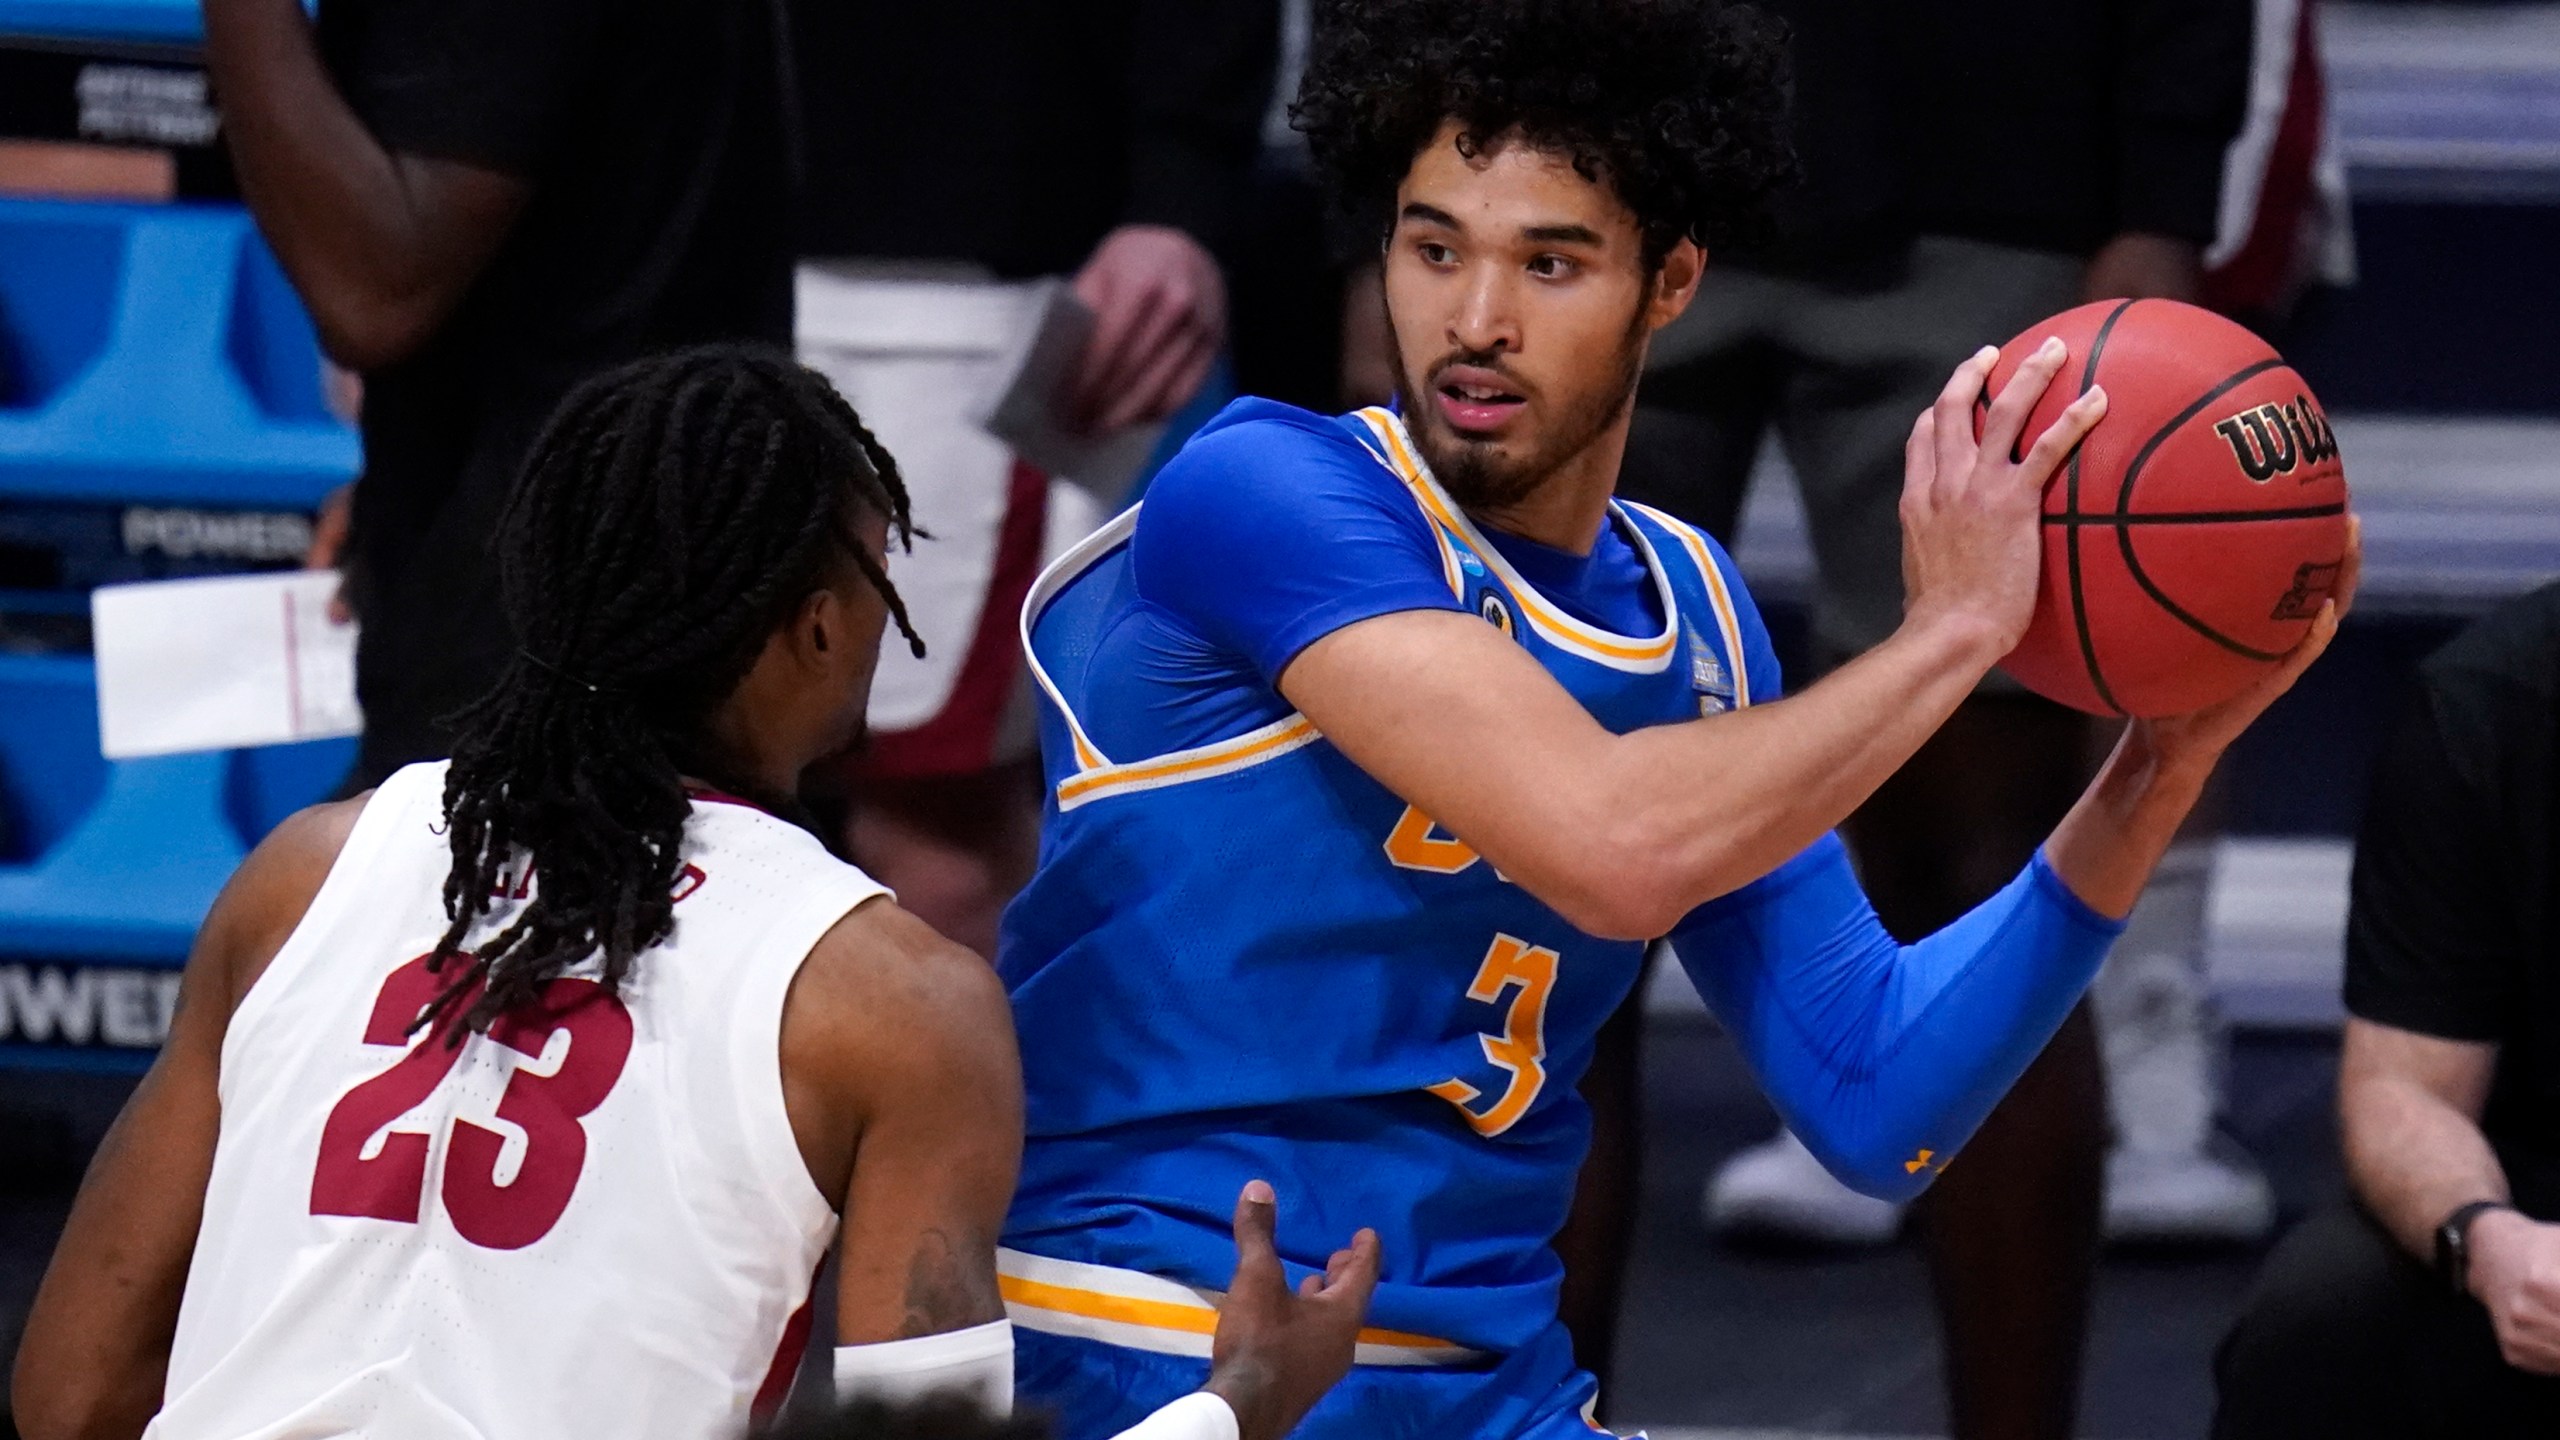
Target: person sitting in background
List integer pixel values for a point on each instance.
(2431, 1304)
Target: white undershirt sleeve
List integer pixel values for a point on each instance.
(976, 1362)
(1197, 1416)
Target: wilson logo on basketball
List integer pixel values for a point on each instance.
(2312, 583)
(2273, 440)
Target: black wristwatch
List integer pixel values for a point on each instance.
(2453, 1242)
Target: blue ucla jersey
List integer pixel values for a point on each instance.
(1243, 957)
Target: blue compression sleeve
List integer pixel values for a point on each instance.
(1885, 1058)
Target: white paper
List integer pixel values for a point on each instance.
(222, 663)
(1024, 411)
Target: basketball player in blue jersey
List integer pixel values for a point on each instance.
(1380, 746)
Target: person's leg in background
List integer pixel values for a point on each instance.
(2345, 1336)
(1694, 460)
(2171, 1176)
(2012, 1227)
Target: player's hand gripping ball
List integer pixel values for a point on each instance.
(2191, 538)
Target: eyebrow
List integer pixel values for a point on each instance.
(1564, 234)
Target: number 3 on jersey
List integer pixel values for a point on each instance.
(390, 1183)
(1521, 1049)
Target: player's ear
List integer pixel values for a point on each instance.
(1675, 282)
(819, 627)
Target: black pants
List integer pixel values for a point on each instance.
(2346, 1336)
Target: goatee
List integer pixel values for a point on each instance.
(1477, 473)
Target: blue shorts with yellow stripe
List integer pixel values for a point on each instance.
(1101, 1349)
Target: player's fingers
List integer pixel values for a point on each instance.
(2351, 570)
(1257, 1210)
(1358, 1274)
(1312, 1286)
(1951, 420)
(2007, 419)
(1919, 460)
(2059, 438)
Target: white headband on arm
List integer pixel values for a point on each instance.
(976, 1362)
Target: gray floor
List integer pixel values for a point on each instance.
(1815, 1344)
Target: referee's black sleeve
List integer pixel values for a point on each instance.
(2432, 938)
(2180, 94)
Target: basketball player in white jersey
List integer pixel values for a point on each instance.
(520, 1097)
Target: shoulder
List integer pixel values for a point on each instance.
(1696, 544)
(884, 1003)
(2490, 688)
(272, 890)
(1262, 457)
(2517, 644)
(1725, 594)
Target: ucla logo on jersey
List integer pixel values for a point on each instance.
(1708, 676)
(1496, 611)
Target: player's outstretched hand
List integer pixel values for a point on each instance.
(1971, 541)
(2204, 734)
(1276, 1352)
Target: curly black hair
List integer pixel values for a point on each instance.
(1679, 105)
(672, 515)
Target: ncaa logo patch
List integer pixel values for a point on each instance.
(1708, 677)
(1490, 605)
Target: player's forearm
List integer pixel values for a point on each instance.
(1885, 1058)
(330, 200)
(1721, 802)
(2412, 1157)
(2107, 846)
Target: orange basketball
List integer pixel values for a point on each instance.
(2190, 539)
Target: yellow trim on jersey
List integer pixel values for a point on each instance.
(1728, 619)
(1097, 775)
(1619, 652)
(1061, 573)
(1139, 1311)
(1290, 732)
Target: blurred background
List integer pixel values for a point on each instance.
(165, 412)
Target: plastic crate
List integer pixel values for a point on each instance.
(153, 361)
(156, 354)
(147, 22)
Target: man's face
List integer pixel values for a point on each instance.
(1519, 303)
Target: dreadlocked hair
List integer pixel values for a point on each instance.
(673, 514)
(1679, 105)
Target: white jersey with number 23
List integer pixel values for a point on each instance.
(592, 1220)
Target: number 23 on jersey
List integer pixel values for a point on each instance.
(387, 1180)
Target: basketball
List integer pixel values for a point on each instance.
(2190, 539)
